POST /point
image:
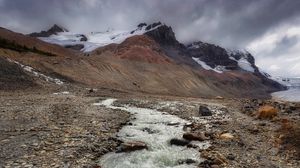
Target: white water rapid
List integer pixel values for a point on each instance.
(160, 154)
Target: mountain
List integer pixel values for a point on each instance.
(54, 30)
(11, 75)
(148, 60)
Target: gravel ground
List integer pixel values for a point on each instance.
(47, 130)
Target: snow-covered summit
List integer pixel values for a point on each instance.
(93, 40)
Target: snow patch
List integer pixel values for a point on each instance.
(243, 62)
(245, 65)
(36, 73)
(218, 69)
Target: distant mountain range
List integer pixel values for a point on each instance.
(147, 59)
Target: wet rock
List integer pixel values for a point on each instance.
(192, 146)
(150, 131)
(187, 161)
(179, 142)
(195, 136)
(132, 146)
(173, 123)
(204, 111)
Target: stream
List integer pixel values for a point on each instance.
(160, 154)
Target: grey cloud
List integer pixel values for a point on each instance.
(284, 45)
(226, 22)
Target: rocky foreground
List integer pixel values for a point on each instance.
(55, 130)
(64, 129)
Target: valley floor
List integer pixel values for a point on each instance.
(64, 129)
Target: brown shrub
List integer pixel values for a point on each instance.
(267, 112)
(289, 135)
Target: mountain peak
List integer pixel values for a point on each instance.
(56, 29)
(52, 31)
(163, 34)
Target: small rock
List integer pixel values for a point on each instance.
(253, 130)
(219, 97)
(173, 123)
(204, 111)
(179, 142)
(230, 156)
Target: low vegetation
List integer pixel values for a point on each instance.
(290, 136)
(12, 45)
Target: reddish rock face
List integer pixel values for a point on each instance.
(138, 48)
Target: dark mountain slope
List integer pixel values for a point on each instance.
(13, 77)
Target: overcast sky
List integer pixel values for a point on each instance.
(269, 29)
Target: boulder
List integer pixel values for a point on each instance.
(132, 146)
(204, 111)
(194, 136)
(179, 142)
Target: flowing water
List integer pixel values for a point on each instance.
(292, 94)
(160, 154)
